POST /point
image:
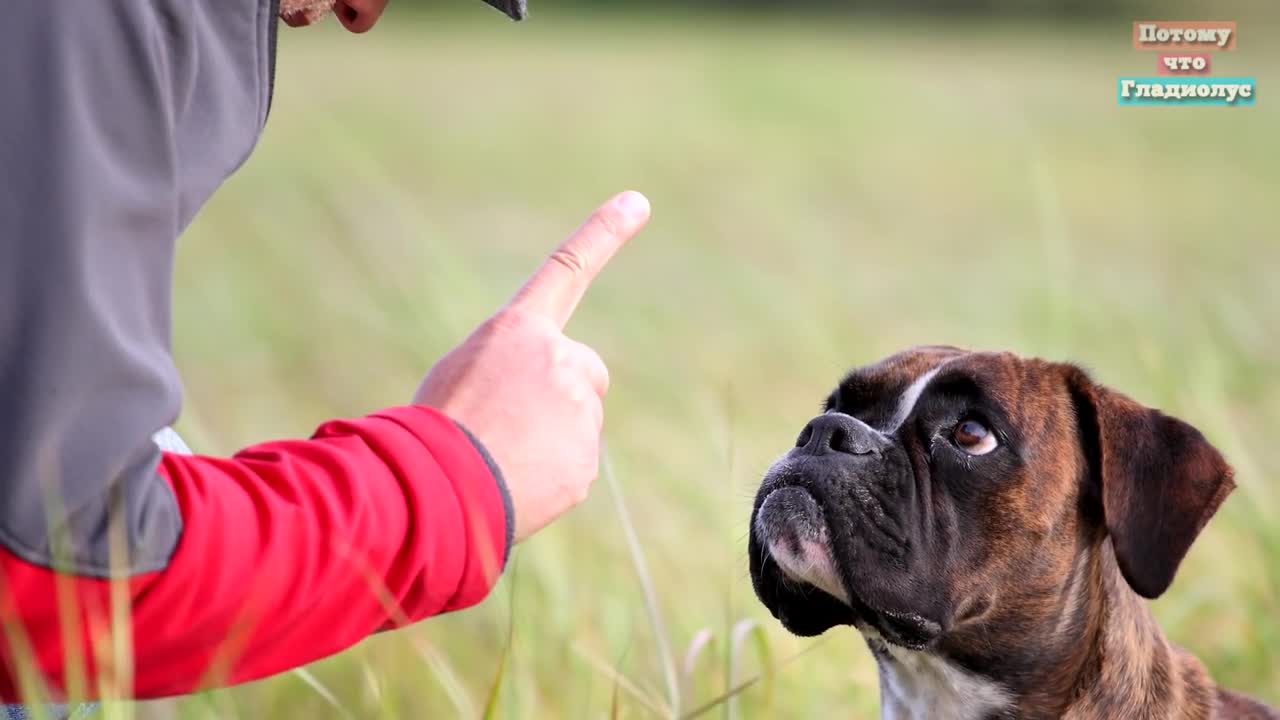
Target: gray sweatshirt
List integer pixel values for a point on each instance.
(119, 119)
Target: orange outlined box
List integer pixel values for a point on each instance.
(1184, 35)
(1184, 63)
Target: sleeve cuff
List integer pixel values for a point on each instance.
(479, 496)
(508, 509)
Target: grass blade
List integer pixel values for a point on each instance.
(324, 692)
(743, 630)
(697, 646)
(614, 705)
(448, 679)
(495, 688)
(738, 689)
(646, 585)
(621, 681)
(647, 588)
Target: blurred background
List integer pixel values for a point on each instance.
(829, 185)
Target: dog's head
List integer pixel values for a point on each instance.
(940, 489)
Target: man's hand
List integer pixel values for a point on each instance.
(358, 16)
(530, 394)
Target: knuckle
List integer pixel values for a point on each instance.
(591, 357)
(599, 371)
(608, 221)
(568, 364)
(572, 258)
(580, 394)
(590, 375)
(581, 490)
(507, 320)
(587, 357)
(517, 321)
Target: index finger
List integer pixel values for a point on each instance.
(556, 287)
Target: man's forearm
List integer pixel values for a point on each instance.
(290, 551)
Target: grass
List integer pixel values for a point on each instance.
(824, 194)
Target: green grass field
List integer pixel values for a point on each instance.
(824, 193)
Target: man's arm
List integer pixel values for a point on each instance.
(290, 551)
(120, 117)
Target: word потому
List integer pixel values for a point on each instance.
(1155, 33)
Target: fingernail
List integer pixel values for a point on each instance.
(634, 204)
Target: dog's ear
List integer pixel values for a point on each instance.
(1159, 481)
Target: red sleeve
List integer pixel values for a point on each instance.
(290, 551)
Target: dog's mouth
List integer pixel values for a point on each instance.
(808, 583)
(795, 532)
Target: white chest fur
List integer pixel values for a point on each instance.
(919, 686)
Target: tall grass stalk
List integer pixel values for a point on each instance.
(652, 607)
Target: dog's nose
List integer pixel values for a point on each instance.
(838, 433)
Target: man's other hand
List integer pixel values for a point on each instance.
(358, 16)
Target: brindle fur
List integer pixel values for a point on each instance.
(1105, 502)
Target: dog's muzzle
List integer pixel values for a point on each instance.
(831, 516)
(791, 522)
(794, 531)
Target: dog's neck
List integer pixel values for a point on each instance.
(1102, 656)
(1128, 668)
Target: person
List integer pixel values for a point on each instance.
(121, 118)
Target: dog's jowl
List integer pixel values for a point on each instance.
(993, 526)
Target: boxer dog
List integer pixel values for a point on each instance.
(991, 525)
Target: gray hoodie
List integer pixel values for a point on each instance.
(121, 118)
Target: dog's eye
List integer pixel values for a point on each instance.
(974, 438)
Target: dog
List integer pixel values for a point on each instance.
(991, 524)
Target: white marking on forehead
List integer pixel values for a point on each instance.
(907, 402)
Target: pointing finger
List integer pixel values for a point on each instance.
(555, 289)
